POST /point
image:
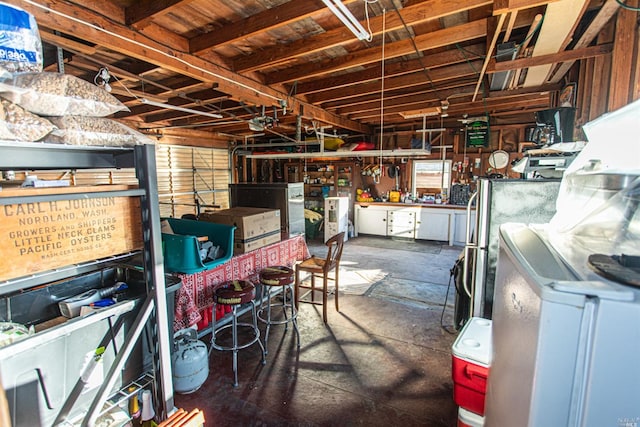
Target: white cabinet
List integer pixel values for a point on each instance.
(371, 220)
(433, 224)
(443, 223)
(401, 223)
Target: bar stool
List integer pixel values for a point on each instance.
(234, 294)
(278, 276)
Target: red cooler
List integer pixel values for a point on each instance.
(471, 360)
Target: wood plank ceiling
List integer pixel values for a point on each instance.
(292, 65)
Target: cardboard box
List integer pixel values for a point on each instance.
(250, 222)
(44, 235)
(244, 246)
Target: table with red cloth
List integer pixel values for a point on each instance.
(196, 293)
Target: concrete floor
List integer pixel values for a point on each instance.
(383, 360)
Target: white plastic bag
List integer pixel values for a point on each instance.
(20, 43)
(20, 125)
(81, 130)
(56, 94)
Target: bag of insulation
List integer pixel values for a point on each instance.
(20, 43)
(58, 94)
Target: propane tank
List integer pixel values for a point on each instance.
(189, 362)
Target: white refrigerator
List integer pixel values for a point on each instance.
(566, 340)
(336, 217)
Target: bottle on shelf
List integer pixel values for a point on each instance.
(148, 413)
(134, 406)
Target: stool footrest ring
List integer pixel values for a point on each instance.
(288, 318)
(251, 341)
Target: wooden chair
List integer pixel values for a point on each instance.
(321, 268)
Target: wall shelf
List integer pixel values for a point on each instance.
(42, 156)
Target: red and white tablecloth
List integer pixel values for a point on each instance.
(196, 293)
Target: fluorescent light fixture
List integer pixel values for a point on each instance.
(177, 108)
(323, 154)
(347, 18)
(426, 112)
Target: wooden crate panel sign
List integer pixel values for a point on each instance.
(40, 236)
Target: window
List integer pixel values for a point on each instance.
(187, 174)
(431, 176)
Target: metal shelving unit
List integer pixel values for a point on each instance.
(41, 156)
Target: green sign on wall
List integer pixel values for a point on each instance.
(478, 132)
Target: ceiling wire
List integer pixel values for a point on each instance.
(366, 14)
(384, 30)
(626, 6)
(415, 46)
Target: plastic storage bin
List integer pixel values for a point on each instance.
(471, 359)
(312, 228)
(182, 249)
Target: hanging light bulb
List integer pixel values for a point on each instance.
(102, 79)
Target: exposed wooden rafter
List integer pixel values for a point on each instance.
(560, 20)
(243, 89)
(294, 61)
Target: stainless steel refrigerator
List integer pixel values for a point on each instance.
(497, 201)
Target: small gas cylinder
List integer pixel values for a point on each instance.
(189, 362)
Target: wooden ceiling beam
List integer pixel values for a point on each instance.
(407, 80)
(173, 40)
(491, 45)
(104, 8)
(608, 9)
(510, 25)
(544, 89)
(460, 33)
(404, 100)
(554, 58)
(276, 17)
(505, 6)
(94, 28)
(426, 104)
(67, 44)
(449, 57)
(424, 90)
(621, 86)
(560, 21)
(141, 13)
(432, 40)
(487, 105)
(411, 15)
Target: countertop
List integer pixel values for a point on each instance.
(417, 205)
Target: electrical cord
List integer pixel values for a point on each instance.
(625, 6)
(444, 307)
(415, 46)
